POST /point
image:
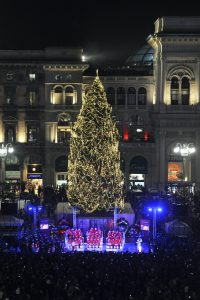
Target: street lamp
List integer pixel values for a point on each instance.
(184, 149)
(4, 150)
(154, 209)
(35, 210)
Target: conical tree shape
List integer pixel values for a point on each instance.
(94, 175)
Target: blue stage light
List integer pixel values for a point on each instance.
(39, 208)
(159, 209)
(149, 209)
(30, 208)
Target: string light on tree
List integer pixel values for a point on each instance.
(94, 174)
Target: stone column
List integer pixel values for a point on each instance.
(163, 161)
(1, 128)
(21, 128)
(197, 162)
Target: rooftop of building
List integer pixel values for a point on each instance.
(143, 57)
(177, 24)
(49, 54)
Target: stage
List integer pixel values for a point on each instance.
(128, 247)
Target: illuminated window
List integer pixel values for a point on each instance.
(32, 76)
(57, 95)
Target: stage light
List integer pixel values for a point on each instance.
(149, 209)
(30, 208)
(159, 209)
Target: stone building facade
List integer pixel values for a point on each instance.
(155, 98)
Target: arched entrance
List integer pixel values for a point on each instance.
(61, 167)
(137, 172)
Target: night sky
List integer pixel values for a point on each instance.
(107, 31)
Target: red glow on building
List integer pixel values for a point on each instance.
(146, 135)
(125, 134)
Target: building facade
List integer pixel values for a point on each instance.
(155, 97)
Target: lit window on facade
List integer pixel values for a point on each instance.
(32, 76)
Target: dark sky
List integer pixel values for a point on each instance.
(107, 31)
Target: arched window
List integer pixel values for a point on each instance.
(185, 91)
(131, 96)
(69, 95)
(174, 91)
(57, 95)
(180, 78)
(121, 96)
(110, 92)
(61, 164)
(139, 165)
(142, 96)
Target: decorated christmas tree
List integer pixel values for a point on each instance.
(95, 180)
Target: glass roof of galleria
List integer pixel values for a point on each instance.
(142, 57)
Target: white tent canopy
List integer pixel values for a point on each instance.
(177, 228)
(10, 221)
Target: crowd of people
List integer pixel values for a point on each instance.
(37, 266)
(170, 273)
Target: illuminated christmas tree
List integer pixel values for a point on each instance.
(95, 180)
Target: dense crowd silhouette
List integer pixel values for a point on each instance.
(171, 272)
(35, 267)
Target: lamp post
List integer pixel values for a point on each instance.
(4, 150)
(184, 149)
(155, 209)
(35, 209)
(115, 217)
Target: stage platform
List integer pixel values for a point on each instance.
(128, 247)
